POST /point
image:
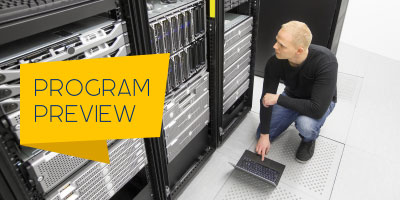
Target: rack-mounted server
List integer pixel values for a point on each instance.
(237, 56)
(53, 175)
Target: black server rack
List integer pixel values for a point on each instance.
(109, 29)
(233, 61)
(187, 139)
(325, 20)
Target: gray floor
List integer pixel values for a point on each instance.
(357, 155)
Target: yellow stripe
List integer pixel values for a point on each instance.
(212, 8)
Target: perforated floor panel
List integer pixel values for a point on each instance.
(244, 186)
(313, 180)
(348, 87)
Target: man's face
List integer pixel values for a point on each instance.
(284, 47)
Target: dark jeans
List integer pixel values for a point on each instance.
(282, 117)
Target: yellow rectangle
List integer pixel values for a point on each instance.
(98, 99)
(212, 8)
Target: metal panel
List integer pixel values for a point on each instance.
(184, 119)
(236, 82)
(123, 51)
(196, 21)
(313, 180)
(195, 57)
(236, 28)
(14, 122)
(167, 35)
(232, 99)
(48, 169)
(153, 38)
(241, 185)
(175, 33)
(177, 70)
(7, 91)
(201, 46)
(9, 106)
(191, 91)
(202, 18)
(171, 77)
(189, 24)
(36, 24)
(182, 30)
(227, 5)
(180, 142)
(232, 71)
(159, 34)
(91, 33)
(234, 53)
(8, 75)
(161, 10)
(101, 181)
(106, 49)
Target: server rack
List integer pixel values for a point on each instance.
(234, 32)
(187, 139)
(27, 173)
(16, 29)
(324, 19)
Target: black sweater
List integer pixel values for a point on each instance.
(310, 87)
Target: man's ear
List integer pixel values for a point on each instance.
(300, 50)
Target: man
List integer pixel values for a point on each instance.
(309, 73)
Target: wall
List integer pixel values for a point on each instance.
(374, 26)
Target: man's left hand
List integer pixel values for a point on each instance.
(270, 99)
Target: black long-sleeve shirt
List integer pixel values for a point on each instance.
(310, 87)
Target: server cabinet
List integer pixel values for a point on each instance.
(321, 17)
(186, 140)
(94, 29)
(234, 31)
(16, 29)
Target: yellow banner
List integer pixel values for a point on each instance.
(72, 107)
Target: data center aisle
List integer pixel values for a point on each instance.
(359, 139)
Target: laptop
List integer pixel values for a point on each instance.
(268, 170)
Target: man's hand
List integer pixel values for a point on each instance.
(263, 145)
(270, 99)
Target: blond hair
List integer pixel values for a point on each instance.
(300, 32)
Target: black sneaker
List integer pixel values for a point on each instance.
(305, 151)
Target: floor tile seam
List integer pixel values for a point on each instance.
(328, 138)
(204, 168)
(354, 112)
(228, 157)
(370, 52)
(297, 189)
(308, 193)
(349, 74)
(221, 186)
(305, 190)
(216, 195)
(359, 93)
(337, 171)
(332, 186)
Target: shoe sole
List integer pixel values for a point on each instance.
(301, 161)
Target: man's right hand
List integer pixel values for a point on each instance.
(263, 145)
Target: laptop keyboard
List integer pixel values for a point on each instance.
(259, 170)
